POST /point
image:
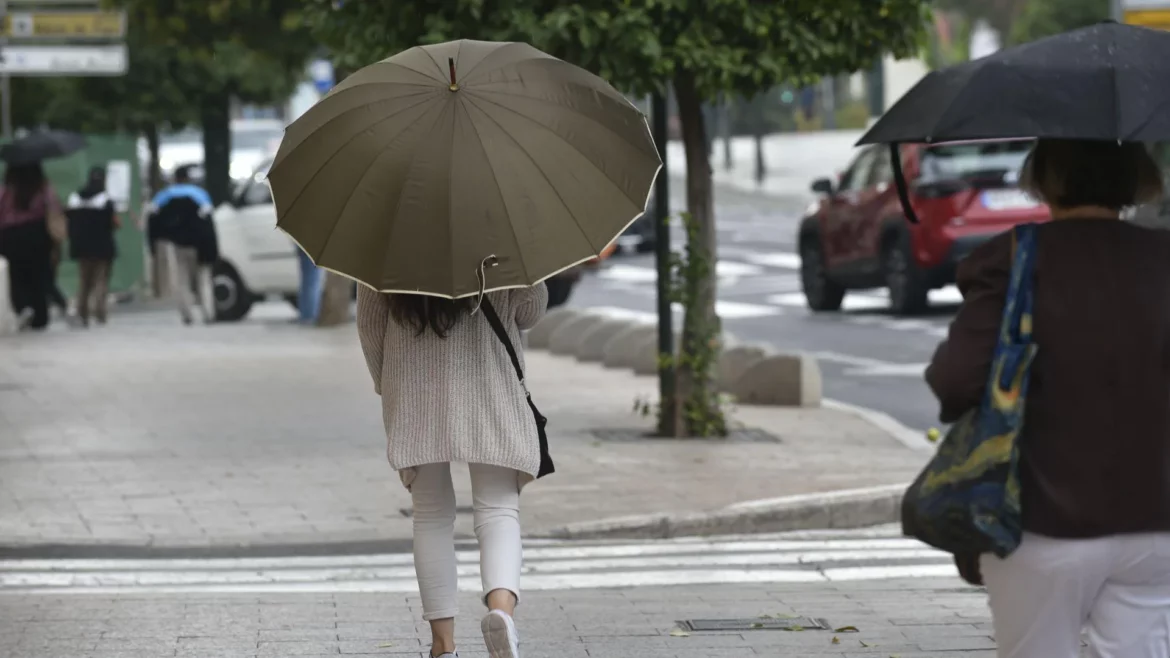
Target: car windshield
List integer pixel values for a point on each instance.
(963, 161)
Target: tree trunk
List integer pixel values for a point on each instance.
(335, 300)
(725, 128)
(217, 147)
(699, 315)
(154, 179)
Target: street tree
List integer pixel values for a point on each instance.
(701, 49)
(252, 50)
(1001, 15)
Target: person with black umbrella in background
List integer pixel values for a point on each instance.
(1053, 486)
(28, 232)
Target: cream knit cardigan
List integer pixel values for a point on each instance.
(453, 399)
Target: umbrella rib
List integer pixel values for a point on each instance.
(503, 202)
(339, 149)
(363, 106)
(349, 199)
(509, 45)
(543, 175)
(562, 139)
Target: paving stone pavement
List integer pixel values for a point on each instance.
(912, 618)
(146, 433)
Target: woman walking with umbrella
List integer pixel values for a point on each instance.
(28, 205)
(1053, 485)
(463, 195)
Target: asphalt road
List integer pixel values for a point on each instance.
(868, 357)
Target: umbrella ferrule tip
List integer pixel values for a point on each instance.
(453, 87)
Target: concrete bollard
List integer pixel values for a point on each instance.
(591, 346)
(620, 350)
(8, 323)
(735, 361)
(787, 380)
(564, 338)
(538, 336)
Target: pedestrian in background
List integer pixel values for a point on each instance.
(31, 222)
(309, 295)
(93, 218)
(1095, 444)
(181, 217)
(450, 394)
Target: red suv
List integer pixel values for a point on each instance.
(856, 236)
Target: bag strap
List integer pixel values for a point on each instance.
(1016, 325)
(489, 312)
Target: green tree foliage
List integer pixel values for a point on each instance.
(216, 50)
(1042, 18)
(700, 48)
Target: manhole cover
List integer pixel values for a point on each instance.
(760, 624)
(461, 509)
(740, 435)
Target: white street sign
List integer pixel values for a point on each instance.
(64, 60)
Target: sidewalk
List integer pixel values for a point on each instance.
(148, 434)
(907, 619)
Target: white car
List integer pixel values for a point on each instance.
(253, 140)
(256, 259)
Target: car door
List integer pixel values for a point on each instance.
(841, 213)
(271, 253)
(872, 208)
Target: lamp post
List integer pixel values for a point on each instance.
(661, 210)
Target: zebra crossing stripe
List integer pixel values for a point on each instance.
(568, 565)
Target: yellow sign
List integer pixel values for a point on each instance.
(66, 25)
(1155, 18)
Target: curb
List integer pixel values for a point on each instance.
(844, 509)
(913, 439)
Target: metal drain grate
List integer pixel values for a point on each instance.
(737, 435)
(759, 624)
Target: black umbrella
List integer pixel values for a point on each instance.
(1106, 82)
(41, 145)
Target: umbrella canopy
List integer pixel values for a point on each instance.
(41, 145)
(415, 170)
(1104, 82)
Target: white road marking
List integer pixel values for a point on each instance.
(725, 269)
(725, 309)
(782, 259)
(812, 556)
(867, 367)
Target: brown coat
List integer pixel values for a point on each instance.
(1096, 441)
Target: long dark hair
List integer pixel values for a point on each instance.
(423, 312)
(25, 182)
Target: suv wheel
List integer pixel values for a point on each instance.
(559, 288)
(232, 299)
(820, 292)
(906, 282)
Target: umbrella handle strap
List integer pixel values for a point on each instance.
(481, 276)
(900, 182)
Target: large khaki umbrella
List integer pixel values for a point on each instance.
(415, 170)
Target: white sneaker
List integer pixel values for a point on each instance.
(500, 636)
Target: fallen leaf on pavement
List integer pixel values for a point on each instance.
(385, 645)
(846, 629)
(836, 640)
(678, 632)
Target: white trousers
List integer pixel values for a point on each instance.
(495, 494)
(1117, 588)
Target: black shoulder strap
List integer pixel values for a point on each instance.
(489, 312)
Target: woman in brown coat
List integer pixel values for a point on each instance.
(1095, 448)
